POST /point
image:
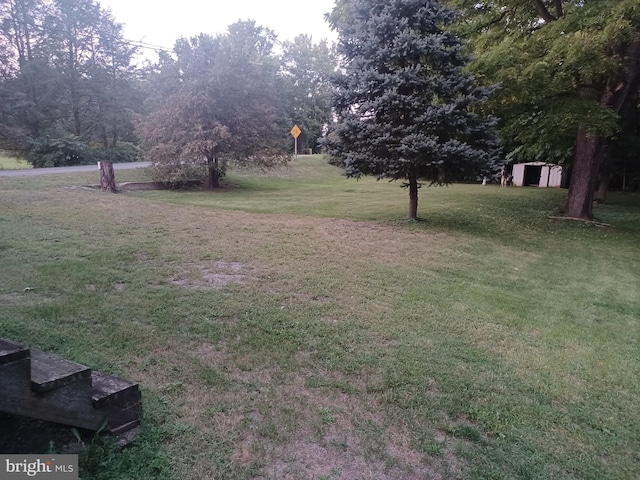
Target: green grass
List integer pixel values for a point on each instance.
(293, 325)
(8, 162)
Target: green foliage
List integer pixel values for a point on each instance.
(69, 66)
(567, 70)
(405, 107)
(558, 68)
(103, 459)
(9, 161)
(218, 101)
(307, 68)
(58, 148)
(122, 152)
(177, 175)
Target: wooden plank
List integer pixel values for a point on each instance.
(119, 399)
(11, 351)
(49, 371)
(65, 392)
(110, 389)
(68, 405)
(15, 384)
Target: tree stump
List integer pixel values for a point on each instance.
(107, 177)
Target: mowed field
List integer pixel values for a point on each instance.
(293, 325)
(8, 162)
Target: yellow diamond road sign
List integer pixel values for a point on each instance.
(295, 131)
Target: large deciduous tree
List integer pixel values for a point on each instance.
(28, 83)
(93, 63)
(404, 104)
(307, 68)
(217, 102)
(567, 70)
(67, 69)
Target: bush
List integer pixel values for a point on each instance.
(177, 175)
(58, 148)
(123, 152)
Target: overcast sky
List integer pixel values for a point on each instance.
(161, 22)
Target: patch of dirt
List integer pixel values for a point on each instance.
(242, 453)
(294, 431)
(214, 354)
(212, 276)
(140, 186)
(26, 299)
(344, 437)
(146, 186)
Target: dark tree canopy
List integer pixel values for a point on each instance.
(569, 71)
(405, 106)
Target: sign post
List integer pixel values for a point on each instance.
(295, 132)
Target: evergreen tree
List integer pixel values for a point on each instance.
(403, 101)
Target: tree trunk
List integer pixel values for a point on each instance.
(214, 173)
(603, 187)
(114, 132)
(105, 137)
(107, 177)
(589, 150)
(413, 194)
(579, 202)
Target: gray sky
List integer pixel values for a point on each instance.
(161, 22)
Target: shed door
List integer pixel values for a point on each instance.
(544, 177)
(518, 175)
(532, 175)
(555, 179)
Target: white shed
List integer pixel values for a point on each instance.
(537, 174)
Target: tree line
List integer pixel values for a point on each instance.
(72, 90)
(67, 76)
(416, 90)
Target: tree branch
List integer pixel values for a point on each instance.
(558, 5)
(542, 11)
(498, 19)
(632, 76)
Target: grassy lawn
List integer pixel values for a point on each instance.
(8, 162)
(294, 326)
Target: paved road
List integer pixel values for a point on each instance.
(79, 168)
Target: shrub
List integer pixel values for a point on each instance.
(123, 152)
(177, 175)
(58, 148)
